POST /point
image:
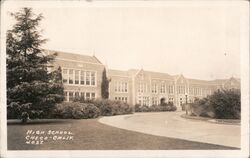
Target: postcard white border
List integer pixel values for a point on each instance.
(244, 152)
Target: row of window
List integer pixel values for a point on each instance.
(70, 95)
(199, 91)
(181, 89)
(142, 87)
(79, 77)
(164, 88)
(121, 87)
(123, 99)
(143, 100)
(155, 100)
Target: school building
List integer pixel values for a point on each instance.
(82, 76)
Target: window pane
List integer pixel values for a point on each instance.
(92, 95)
(77, 76)
(87, 95)
(115, 86)
(65, 75)
(71, 76)
(71, 96)
(65, 96)
(87, 78)
(82, 78)
(82, 95)
(93, 78)
(126, 87)
(77, 95)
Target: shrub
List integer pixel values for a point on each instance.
(223, 104)
(226, 104)
(110, 107)
(76, 110)
(155, 108)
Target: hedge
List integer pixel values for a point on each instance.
(81, 109)
(76, 110)
(155, 108)
(222, 104)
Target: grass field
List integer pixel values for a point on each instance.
(89, 134)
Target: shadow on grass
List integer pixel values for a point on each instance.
(41, 121)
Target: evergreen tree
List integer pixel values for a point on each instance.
(31, 90)
(105, 85)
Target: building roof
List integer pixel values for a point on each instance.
(159, 75)
(197, 81)
(76, 57)
(112, 72)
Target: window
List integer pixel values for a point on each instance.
(154, 100)
(154, 88)
(71, 76)
(92, 95)
(191, 91)
(163, 88)
(145, 100)
(126, 87)
(121, 87)
(65, 96)
(77, 76)
(87, 95)
(82, 95)
(82, 77)
(71, 96)
(171, 99)
(142, 87)
(126, 99)
(65, 75)
(171, 89)
(116, 89)
(181, 90)
(87, 78)
(77, 95)
(92, 78)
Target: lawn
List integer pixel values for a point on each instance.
(89, 134)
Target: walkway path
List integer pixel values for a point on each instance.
(170, 124)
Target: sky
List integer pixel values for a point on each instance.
(198, 41)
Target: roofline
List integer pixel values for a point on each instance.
(97, 59)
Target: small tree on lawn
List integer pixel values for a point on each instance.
(31, 90)
(105, 85)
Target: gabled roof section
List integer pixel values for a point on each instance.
(159, 75)
(197, 81)
(112, 72)
(153, 74)
(75, 57)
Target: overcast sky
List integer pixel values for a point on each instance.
(200, 42)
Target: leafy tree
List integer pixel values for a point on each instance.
(105, 85)
(31, 90)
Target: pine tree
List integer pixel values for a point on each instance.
(31, 90)
(105, 85)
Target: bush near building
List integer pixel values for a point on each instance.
(82, 109)
(155, 108)
(76, 110)
(223, 104)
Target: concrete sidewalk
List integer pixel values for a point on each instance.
(170, 124)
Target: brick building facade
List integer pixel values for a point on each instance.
(82, 76)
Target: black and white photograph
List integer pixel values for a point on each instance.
(124, 79)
